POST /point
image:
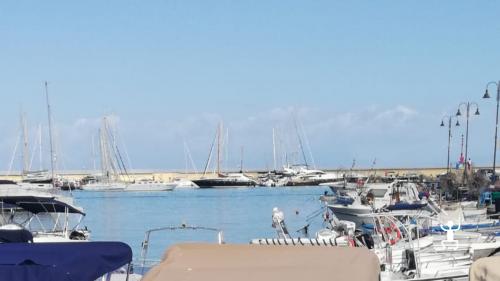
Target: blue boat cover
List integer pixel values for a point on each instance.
(73, 261)
(406, 206)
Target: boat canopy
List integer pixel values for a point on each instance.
(485, 269)
(36, 204)
(61, 261)
(213, 262)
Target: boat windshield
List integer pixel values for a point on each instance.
(378, 193)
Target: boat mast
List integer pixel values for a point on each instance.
(241, 160)
(218, 148)
(210, 155)
(274, 150)
(25, 142)
(300, 141)
(49, 115)
(40, 153)
(93, 154)
(102, 149)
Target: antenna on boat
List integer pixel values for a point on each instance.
(49, 115)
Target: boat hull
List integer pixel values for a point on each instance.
(222, 183)
(348, 213)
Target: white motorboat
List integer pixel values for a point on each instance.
(404, 252)
(398, 194)
(49, 217)
(183, 183)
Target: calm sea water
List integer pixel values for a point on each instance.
(242, 213)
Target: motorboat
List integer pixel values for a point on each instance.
(299, 175)
(374, 197)
(183, 183)
(348, 182)
(404, 249)
(49, 217)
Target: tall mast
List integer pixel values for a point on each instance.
(210, 154)
(300, 141)
(52, 158)
(218, 148)
(274, 150)
(241, 160)
(24, 127)
(40, 151)
(93, 154)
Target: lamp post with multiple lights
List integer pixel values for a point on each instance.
(468, 106)
(487, 96)
(449, 136)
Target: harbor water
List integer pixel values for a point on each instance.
(242, 213)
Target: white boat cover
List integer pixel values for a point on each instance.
(485, 269)
(212, 262)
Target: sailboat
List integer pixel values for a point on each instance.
(40, 179)
(114, 175)
(223, 180)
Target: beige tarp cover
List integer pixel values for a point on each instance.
(485, 269)
(212, 262)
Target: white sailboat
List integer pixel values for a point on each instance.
(114, 175)
(37, 179)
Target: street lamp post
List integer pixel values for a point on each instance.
(487, 96)
(468, 106)
(449, 137)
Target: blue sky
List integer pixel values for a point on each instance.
(366, 79)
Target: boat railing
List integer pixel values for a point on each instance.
(145, 243)
(450, 277)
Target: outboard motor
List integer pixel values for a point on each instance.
(279, 224)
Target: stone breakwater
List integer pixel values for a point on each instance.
(172, 175)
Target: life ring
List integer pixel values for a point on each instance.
(393, 233)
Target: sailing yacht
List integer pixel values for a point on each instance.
(114, 175)
(41, 179)
(223, 180)
(229, 180)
